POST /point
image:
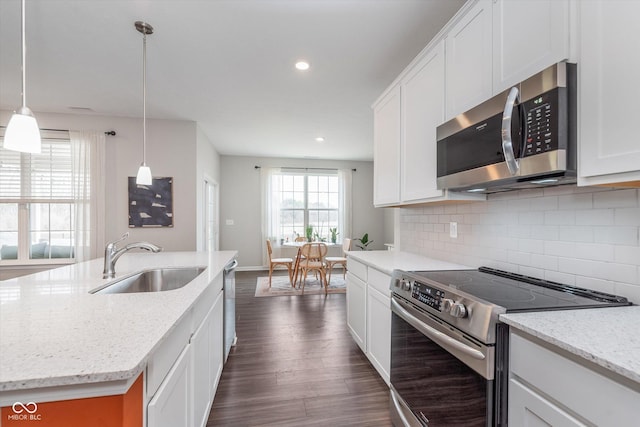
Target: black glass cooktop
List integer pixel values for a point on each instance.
(516, 292)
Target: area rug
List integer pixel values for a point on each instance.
(280, 286)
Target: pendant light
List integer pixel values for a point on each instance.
(22, 132)
(144, 173)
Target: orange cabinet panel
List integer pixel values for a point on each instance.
(124, 410)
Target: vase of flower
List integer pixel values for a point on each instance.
(334, 234)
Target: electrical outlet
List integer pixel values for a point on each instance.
(453, 230)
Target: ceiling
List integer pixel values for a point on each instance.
(226, 64)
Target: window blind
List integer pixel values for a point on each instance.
(44, 176)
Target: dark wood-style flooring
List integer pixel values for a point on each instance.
(295, 364)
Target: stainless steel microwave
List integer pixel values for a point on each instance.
(522, 138)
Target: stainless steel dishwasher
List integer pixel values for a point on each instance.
(229, 289)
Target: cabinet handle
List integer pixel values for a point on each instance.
(507, 143)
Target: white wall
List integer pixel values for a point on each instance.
(240, 201)
(172, 149)
(207, 166)
(583, 236)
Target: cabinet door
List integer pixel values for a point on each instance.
(527, 408)
(216, 340)
(423, 111)
(379, 331)
(386, 149)
(528, 36)
(469, 61)
(170, 405)
(357, 309)
(608, 90)
(206, 362)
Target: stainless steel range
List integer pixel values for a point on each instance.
(449, 351)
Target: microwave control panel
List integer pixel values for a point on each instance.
(541, 124)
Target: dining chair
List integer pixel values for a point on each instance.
(301, 239)
(273, 262)
(335, 260)
(314, 254)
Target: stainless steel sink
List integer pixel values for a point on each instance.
(153, 280)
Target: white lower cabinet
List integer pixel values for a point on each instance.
(206, 362)
(528, 408)
(369, 314)
(183, 374)
(357, 309)
(170, 406)
(547, 388)
(379, 331)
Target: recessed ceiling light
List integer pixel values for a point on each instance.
(302, 65)
(319, 139)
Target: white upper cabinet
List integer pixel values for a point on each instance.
(469, 60)
(386, 149)
(423, 111)
(528, 36)
(608, 74)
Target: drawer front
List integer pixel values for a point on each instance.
(593, 396)
(167, 353)
(357, 268)
(380, 281)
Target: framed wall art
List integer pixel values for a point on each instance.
(151, 205)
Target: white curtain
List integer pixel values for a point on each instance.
(270, 209)
(88, 169)
(345, 178)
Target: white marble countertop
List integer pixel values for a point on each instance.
(53, 332)
(387, 261)
(608, 337)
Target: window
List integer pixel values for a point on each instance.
(37, 202)
(305, 204)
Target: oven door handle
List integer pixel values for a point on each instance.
(434, 334)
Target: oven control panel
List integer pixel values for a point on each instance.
(428, 295)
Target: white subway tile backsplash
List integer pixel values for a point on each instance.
(575, 201)
(560, 217)
(584, 236)
(627, 254)
(572, 233)
(595, 252)
(616, 235)
(546, 203)
(616, 198)
(595, 217)
(627, 216)
(544, 262)
(559, 248)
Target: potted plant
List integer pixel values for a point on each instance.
(334, 234)
(364, 242)
(308, 231)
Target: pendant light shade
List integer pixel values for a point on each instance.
(22, 132)
(144, 176)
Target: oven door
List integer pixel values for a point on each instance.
(439, 376)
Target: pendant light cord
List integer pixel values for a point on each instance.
(144, 98)
(24, 60)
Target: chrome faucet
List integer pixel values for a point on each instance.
(111, 254)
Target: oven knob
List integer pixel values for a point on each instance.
(406, 285)
(446, 304)
(458, 310)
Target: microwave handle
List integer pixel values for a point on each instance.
(507, 143)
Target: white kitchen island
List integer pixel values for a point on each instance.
(60, 342)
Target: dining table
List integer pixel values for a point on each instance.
(299, 245)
